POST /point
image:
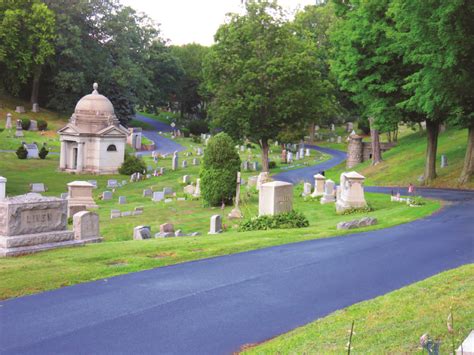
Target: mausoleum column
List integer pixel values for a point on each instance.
(63, 156)
(80, 156)
(3, 187)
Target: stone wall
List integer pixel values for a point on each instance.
(358, 151)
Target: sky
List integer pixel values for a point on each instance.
(187, 21)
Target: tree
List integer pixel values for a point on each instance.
(219, 170)
(368, 63)
(438, 38)
(259, 74)
(27, 32)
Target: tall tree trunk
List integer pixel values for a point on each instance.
(35, 85)
(389, 137)
(420, 126)
(312, 129)
(468, 169)
(265, 149)
(432, 131)
(395, 135)
(375, 137)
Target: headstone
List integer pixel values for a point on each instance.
(8, 123)
(333, 128)
(318, 185)
(467, 346)
(329, 192)
(349, 126)
(444, 161)
(168, 200)
(199, 151)
(339, 139)
(184, 164)
(147, 193)
(115, 214)
(20, 109)
(306, 189)
(35, 108)
(32, 150)
(252, 181)
(93, 183)
(3, 188)
(174, 161)
(297, 156)
(263, 178)
(162, 171)
(33, 125)
(107, 195)
(308, 153)
(80, 197)
(186, 179)
(167, 228)
(358, 223)
(19, 129)
(301, 153)
(195, 161)
(158, 196)
(138, 211)
(255, 166)
(283, 156)
(189, 190)
(37, 187)
(122, 200)
(245, 165)
(242, 148)
(351, 192)
(167, 191)
(126, 213)
(31, 223)
(197, 190)
(141, 232)
(290, 157)
(86, 226)
(215, 225)
(275, 197)
(112, 184)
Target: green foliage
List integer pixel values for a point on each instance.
(356, 210)
(363, 125)
(132, 164)
(42, 125)
(291, 219)
(21, 152)
(196, 127)
(25, 123)
(416, 201)
(43, 152)
(272, 164)
(219, 170)
(196, 139)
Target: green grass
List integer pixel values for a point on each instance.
(139, 124)
(165, 117)
(404, 163)
(389, 324)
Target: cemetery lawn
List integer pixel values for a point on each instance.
(404, 163)
(392, 323)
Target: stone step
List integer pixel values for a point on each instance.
(35, 239)
(36, 248)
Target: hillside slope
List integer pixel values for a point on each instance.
(404, 164)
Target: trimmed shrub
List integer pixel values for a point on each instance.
(21, 152)
(42, 125)
(286, 220)
(272, 164)
(132, 164)
(43, 152)
(219, 170)
(25, 123)
(197, 127)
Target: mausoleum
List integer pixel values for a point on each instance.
(93, 141)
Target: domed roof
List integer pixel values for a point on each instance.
(94, 103)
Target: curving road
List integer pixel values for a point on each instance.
(163, 145)
(214, 306)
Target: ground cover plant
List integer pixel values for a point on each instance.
(392, 323)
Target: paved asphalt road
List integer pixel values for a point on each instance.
(214, 306)
(163, 145)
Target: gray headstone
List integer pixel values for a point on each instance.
(184, 164)
(115, 214)
(37, 187)
(112, 183)
(215, 225)
(444, 161)
(195, 161)
(32, 150)
(107, 195)
(33, 125)
(141, 232)
(158, 196)
(147, 193)
(122, 200)
(167, 190)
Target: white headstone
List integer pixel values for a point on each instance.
(308, 154)
(184, 164)
(174, 161)
(329, 192)
(444, 161)
(20, 109)
(147, 193)
(197, 190)
(33, 125)
(351, 192)
(195, 161)
(3, 187)
(215, 225)
(37, 187)
(86, 226)
(318, 185)
(186, 179)
(275, 197)
(290, 157)
(8, 124)
(141, 232)
(306, 189)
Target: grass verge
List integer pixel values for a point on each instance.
(389, 324)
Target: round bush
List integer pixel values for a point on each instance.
(219, 170)
(42, 125)
(21, 152)
(43, 152)
(25, 123)
(132, 164)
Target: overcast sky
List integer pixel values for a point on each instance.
(187, 21)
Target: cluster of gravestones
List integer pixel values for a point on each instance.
(167, 230)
